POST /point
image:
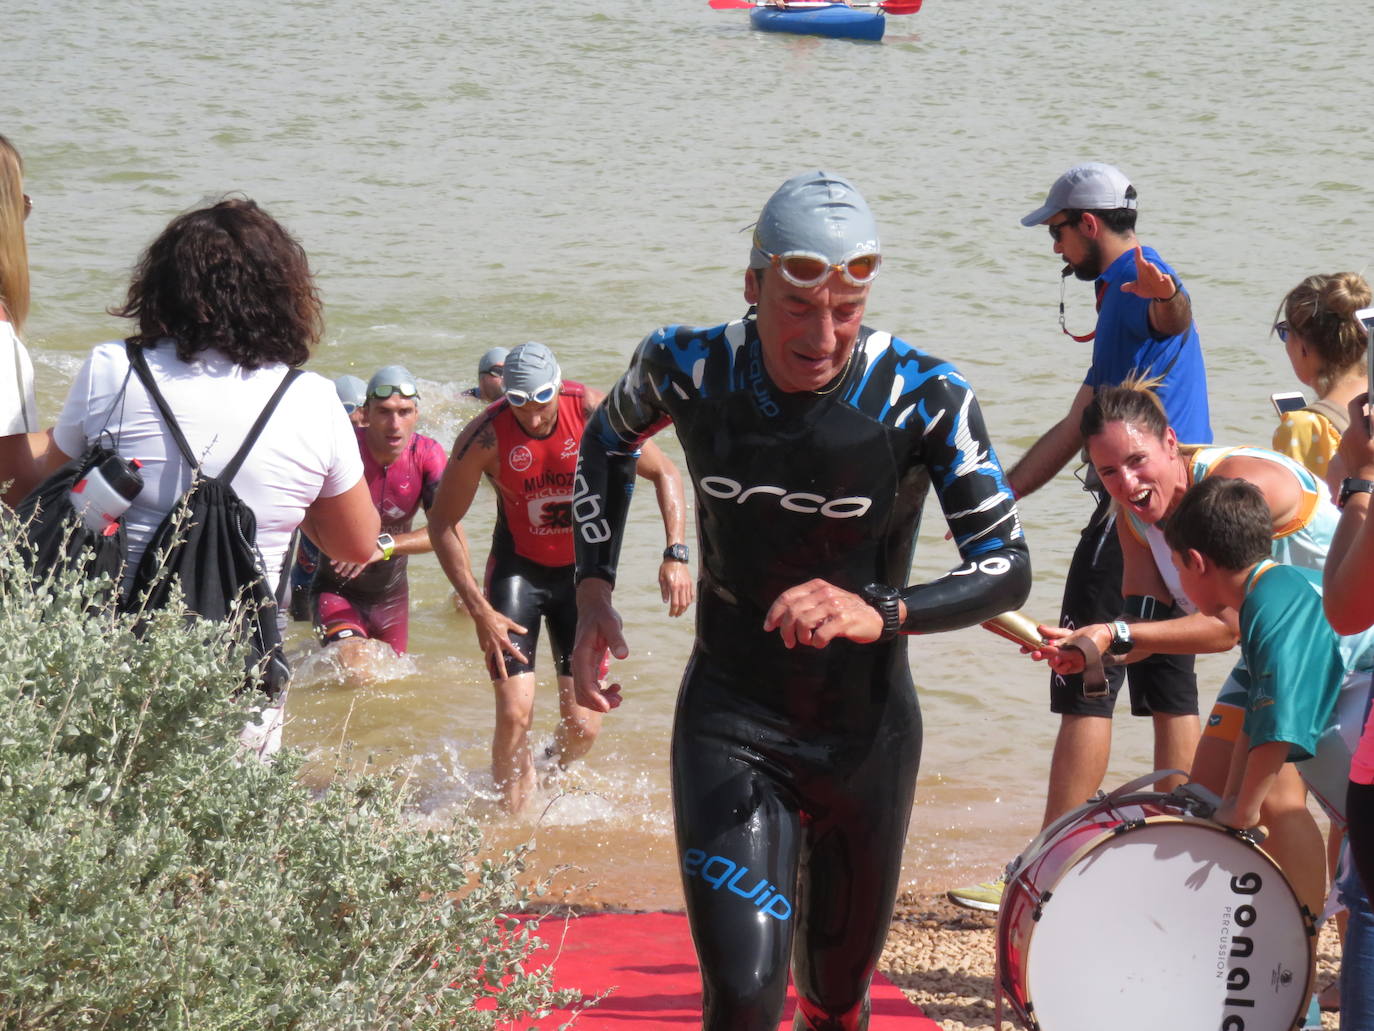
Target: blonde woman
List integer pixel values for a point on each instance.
(18, 411)
(1326, 347)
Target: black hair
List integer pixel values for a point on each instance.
(1118, 220)
(228, 277)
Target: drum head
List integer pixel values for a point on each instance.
(1173, 924)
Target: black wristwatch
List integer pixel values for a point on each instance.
(675, 553)
(887, 600)
(1121, 638)
(1353, 485)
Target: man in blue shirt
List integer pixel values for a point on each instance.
(1144, 329)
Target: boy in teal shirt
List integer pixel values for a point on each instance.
(1221, 539)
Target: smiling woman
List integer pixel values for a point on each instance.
(1148, 473)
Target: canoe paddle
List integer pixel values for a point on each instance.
(888, 6)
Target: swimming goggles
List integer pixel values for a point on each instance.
(1281, 330)
(384, 390)
(806, 268)
(541, 396)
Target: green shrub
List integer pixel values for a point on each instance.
(153, 879)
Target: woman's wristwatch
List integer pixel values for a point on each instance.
(387, 545)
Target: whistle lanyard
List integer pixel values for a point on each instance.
(1101, 289)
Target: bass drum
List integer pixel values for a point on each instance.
(1137, 913)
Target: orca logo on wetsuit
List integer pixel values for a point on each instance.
(726, 489)
(717, 871)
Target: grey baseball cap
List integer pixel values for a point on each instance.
(815, 212)
(392, 379)
(531, 366)
(352, 391)
(496, 356)
(1091, 186)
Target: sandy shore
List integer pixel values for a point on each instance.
(941, 957)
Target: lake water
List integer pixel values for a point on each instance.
(579, 173)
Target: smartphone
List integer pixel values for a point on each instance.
(1288, 401)
(1366, 317)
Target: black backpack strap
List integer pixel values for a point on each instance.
(139, 362)
(233, 467)
(140, 365)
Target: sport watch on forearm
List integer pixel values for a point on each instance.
(1353, 485)
(888, 601)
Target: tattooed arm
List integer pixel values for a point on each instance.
(474, 453)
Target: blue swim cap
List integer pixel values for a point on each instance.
(816, 212)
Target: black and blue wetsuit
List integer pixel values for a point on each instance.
(794, 770)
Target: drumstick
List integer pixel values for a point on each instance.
(1016, 627)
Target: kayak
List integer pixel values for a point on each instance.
(836, 20)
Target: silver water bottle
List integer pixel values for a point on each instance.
(105, 493)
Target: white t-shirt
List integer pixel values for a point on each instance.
(307, 449)
(18, 409)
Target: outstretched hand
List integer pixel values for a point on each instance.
(1059, 651)
(816, 613)
(1151, 282)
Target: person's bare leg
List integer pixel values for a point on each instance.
(1212, 763)
(511, 766)
(1079, 763)
(1176, 739)
(577, 726)
(1293, 840)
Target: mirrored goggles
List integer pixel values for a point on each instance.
(1281, 330)
(541, 396)
(806, 268)
(384, 390)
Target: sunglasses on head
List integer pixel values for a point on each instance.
(384, 390)
(542, 396)
(806, 268)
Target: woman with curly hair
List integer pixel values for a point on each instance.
(224, 304)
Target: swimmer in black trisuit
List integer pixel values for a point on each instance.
(812, 441)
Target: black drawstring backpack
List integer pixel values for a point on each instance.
(207, 546)
(52, 535)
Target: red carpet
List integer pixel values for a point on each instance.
(648, 959)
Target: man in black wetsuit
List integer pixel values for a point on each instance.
(812, 442)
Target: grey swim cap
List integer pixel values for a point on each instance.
(392, 379)
(352, 392)
(531, 366)
(1092, 186)
(496, 356)
(816, 212)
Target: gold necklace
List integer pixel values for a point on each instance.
(840, 378)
